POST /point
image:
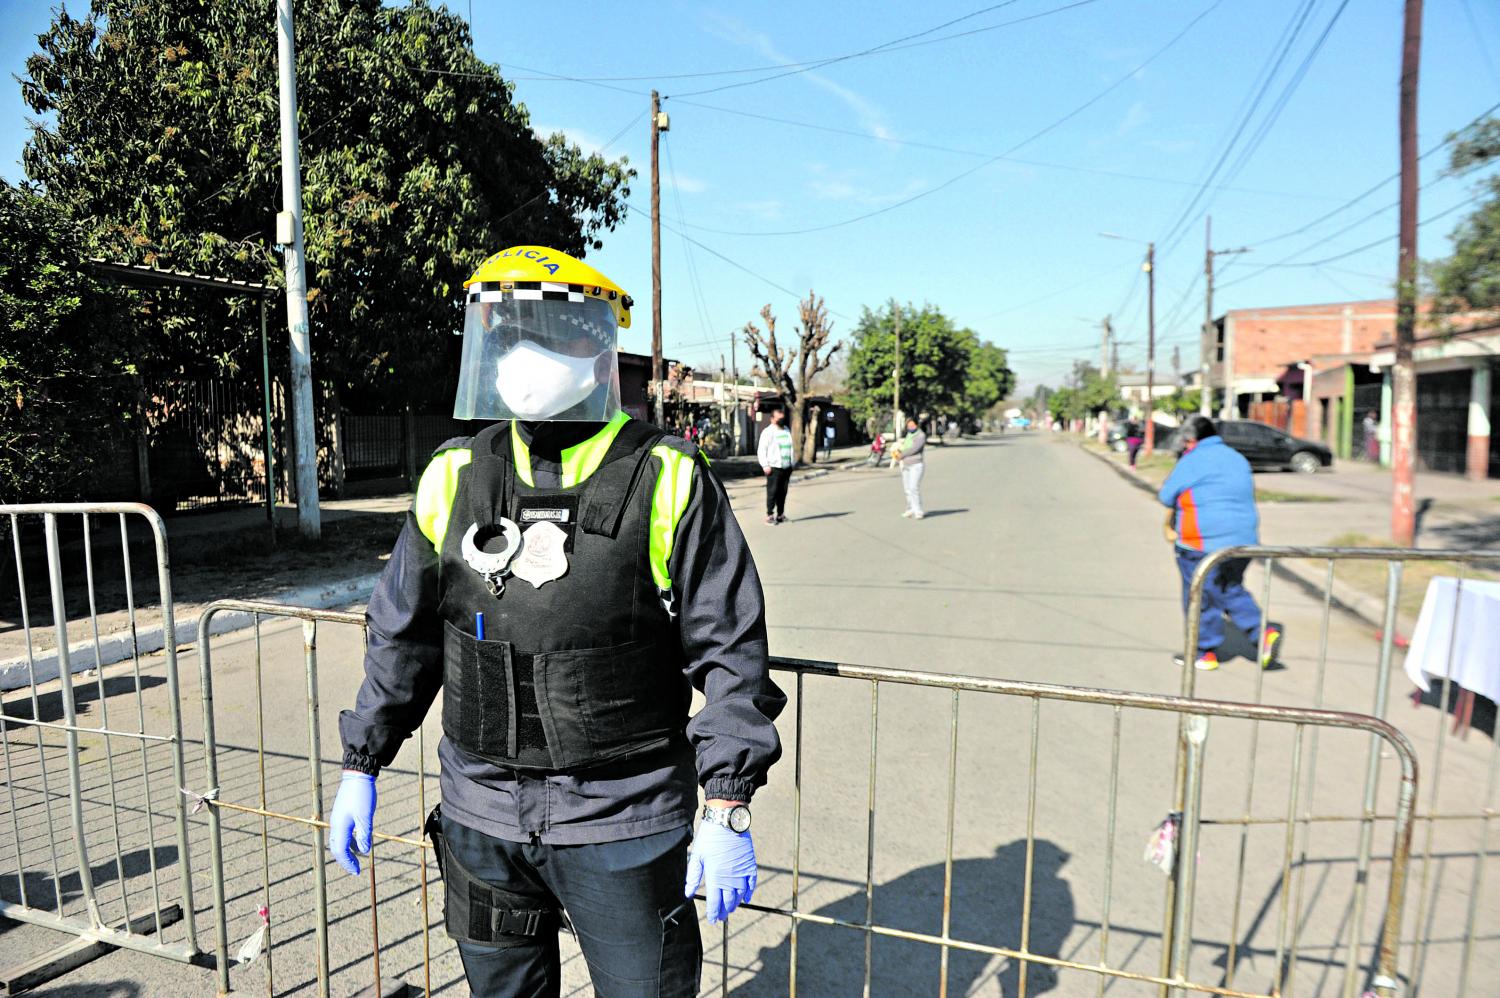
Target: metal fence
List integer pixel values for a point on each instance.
(95, 843)
(1457, 853)
(258, 794)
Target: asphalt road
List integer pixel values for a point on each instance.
(1036, 562)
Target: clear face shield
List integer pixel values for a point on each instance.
(538, 358)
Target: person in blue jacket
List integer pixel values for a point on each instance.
(1211, 493)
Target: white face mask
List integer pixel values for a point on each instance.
(539, 384)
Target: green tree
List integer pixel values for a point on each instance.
(63, 340)
(1470, 278)
(935, 356)
(158, 128)
(988, 379)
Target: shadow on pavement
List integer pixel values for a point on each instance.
(943, 512)
(817, 516)
(987, 899)
(85, 692)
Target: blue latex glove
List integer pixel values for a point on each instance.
(352, 821)
(724, 862)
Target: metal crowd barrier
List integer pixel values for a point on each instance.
(1354, 685)
(323, 937)
(95, 871)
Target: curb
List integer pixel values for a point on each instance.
(1364, 608)
(118, 647)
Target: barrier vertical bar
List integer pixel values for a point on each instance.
(174, 694)
(109, 749)
(215, 822)
(1481, 853)
(265, 844)
(1036, 724)
(1319, 686)
(70, 718)
(796, 842)
(948, 845)
(315, 777)
(1288, 847)
(140, 721)
(1109, 844)
(1195, 738)
(36, 712)
(870, 833)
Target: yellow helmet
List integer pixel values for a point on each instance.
(515, 268)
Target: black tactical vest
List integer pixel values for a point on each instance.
(586, 669)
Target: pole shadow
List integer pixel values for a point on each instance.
(988, 895)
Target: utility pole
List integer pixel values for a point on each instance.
(1150, 268)
(1176, 366)
(659, 415)
(304, 440)
(896, 413)
(1209, 338)
(1404, 375)
(1104, 367)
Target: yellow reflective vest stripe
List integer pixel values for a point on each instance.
(669, 499)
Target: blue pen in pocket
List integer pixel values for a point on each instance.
(479, 626)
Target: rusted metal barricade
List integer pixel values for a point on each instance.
(336, 927)
(1366, 686)
(101, 869)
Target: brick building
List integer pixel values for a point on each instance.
(1319, 370)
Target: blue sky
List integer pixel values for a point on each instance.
(1009, 247)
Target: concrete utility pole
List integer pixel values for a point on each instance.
(659, 415)
(304, 439)
(896, 412)
(1404, 375)
(1150, 267)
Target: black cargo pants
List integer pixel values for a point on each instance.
(624, 901)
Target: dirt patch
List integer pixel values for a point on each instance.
(1369, 577)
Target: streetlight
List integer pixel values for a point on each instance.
(1149, 266)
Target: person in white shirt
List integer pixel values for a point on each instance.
(776, 460)
(913, 465)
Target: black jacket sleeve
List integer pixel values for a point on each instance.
(403, 656)
(723, 627)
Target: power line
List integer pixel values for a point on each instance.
(855, 133)
(1361, 196)
(991, 160)
(896, 46)
(1358, 249)
(1280, 53)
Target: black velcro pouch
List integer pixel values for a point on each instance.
(476, 912)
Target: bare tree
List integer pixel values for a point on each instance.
(793, 371)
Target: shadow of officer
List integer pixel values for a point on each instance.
(988, 895)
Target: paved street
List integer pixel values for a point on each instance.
(1036, 562)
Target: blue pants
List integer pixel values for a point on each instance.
(1224, 592)
(624, 899)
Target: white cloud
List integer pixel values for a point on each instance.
(687, 184)
(580, 138)
(1134, 118)
(769, 210)
(732, 29)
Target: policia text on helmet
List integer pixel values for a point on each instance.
(565, 578)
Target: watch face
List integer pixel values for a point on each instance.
(739, 819)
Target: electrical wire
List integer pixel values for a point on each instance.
(699, 301)
(1280, 52)
(1358, 249)
(855, 133)
(1059, 122)
(895, 46)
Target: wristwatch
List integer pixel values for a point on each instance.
(736, 818)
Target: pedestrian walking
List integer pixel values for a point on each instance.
(1134, 438)
(1371, 427)
(913, 464)
(566, 578)
(776, 460)
(828, 435)
(1211, 493)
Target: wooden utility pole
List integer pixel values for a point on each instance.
(1404, 375)
(1104, 348)
(1150, 268)
(1209, 338)
(659, 413)
(896, 412)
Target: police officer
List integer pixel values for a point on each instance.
(565, 578)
